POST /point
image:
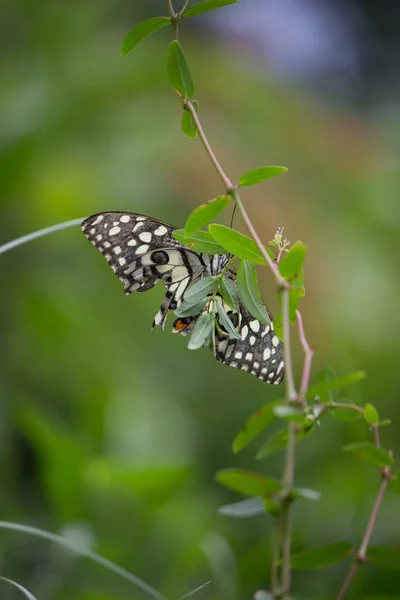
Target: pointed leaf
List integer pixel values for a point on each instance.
(246, 280)
(141, 31)
(205, 6)
(291, 265)
(278, 442)
(324, 387)
(371, 415)
(237, 244)
(178, 71)
(201, 241)
(306, 494)
(248, 483)
(322, 556)
(386, 557)
(202, 215)
(228, 291)
(188, 309)
(202, 332)
(260, 174)
(254, 426)
(272, 507)
(345, 414)
(200, 290)
(251, 507)
(290, 413)
(227, 323)
(370, 453)
(188, 125)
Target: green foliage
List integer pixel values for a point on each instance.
(251, 507)
(227, 323)
(371, 415)
(201, 241)
(324, 387)
(206, 5)
(248, 291)
(254, 426)
(322, 556)
(200, 290)
(260, 174)
(370, 453)
(305, 494)
(290, 267)
(202, 332)
(178, 71)
(188, 125)
(237, 244)
(142, 31)
(345, 414)
(205, 213)
(388, 558)
(228, 291)
(248, 483)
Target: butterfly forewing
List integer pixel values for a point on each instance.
(142, 251)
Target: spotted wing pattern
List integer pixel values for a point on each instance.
(141, 251)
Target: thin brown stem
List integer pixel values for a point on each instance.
(308, 355)
(362, 552)
(347, 582)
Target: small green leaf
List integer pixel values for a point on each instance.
(260, 174)
(345, 414)
(272, 507)
(322, 556)
(289, 413)
(141, 31)
(202, 332)
(228, 291)
(278, 442)
(205, 213)
(370, 453)
(371, 415)
(226, 323)
(251, 507)
(254, 426)
(385, 423)
(205, 6)
(323, 387)
(201, 241)
(178, 71)
(306, 494)
(200, 290)
(188, 125)
(388, 558)
(246, 280)
(238, 244)
(248, 483)
(291, 265)
(188, 309)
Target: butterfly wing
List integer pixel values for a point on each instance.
(142, 251)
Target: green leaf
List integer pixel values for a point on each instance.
(289, 413)
(201, 241)
(141, 31)
(202, 332)
(278, 442)
(272, 507)
(205, 213)
(370, 453)
(188, 125)
(254, 426)
(246, 280)
(188, 309)
(238, 244)
(200, 290)
(305, 494)
(291, 265)
(322, 388)
(345, 414)
(386, 557)
(248, 483)
(322, 556)
(251, 507)
(228, 292)
(260, 174)
(326, 375)
(385, 423)
(371, 415)
(178, 71)
(227, 323)
(205, 6)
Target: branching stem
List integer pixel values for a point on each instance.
(39, 233)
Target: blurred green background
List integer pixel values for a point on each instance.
(111, 434)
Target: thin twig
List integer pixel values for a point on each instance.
(37, 234)
(289, 377)
(171, 11)
(349, 578)
(308, 355)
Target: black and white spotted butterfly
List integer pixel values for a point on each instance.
(142, 251)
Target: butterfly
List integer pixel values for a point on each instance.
(142, 251)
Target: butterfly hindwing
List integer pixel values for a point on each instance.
(141, 251)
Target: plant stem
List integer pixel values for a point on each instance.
(37, 234)
(308, 356)
(171, 11)
(289, 377)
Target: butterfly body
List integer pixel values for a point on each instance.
(142, 250)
